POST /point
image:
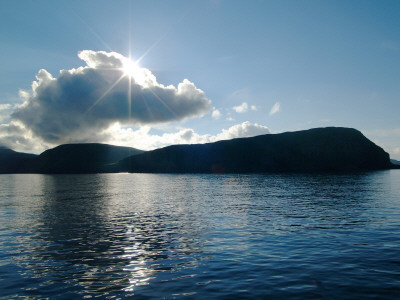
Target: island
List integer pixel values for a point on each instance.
(330, 149)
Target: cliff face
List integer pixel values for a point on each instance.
(314, 150)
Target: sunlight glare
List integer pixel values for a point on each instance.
(133, 71)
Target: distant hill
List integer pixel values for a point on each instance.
(395, 162)
(314, 150)
(68, 158)
(82, 158)
(14, 162)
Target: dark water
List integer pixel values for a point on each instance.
(142, 236)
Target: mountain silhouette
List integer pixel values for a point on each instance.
(68, 158)
(314, 150)
(81, 158)
(14, 162)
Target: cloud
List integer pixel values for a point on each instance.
(245, 129)
(242, 108)
(15, 136)
(82, 102)
(143, 139)
(275, 109)
(216, 114)
(5, 110)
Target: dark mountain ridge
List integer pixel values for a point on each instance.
(395, 162)
(68, 158)
(14, 162)
(315, 150)
(82, 158)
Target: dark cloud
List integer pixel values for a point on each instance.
(86, 100)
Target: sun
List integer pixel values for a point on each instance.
(132, 70)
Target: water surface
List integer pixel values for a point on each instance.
(117, 236)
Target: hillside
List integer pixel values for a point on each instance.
(395, 162)
(14, 162)
(68, 158)
(314, 150)
(81, 158)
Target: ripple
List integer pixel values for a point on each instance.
(197, 236)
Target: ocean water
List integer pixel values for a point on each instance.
(145, 236)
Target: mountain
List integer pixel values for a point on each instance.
(395, 162)
(314, 150)
(82, 158)
(68, 158)
(14, 162)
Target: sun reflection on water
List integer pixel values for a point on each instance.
(140, 273)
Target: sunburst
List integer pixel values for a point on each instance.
(132, 70)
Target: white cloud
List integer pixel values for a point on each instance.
(244, 107)
(245, 129)
(101, 59)
(17, 137)
(275, 109)
(90, 104)
(241, 108)
(216, 114)
(143, 139)
(5, 106)
(81, 102)
(5, 110)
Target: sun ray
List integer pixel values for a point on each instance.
(132, 70)
(89, 28)
(130, 99)
(164, 35)
(163, 103)
(147, 107)
(152, 46)
(130, 58)
(105, 93)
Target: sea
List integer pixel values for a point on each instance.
(161, 236)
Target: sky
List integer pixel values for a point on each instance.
(148, 74)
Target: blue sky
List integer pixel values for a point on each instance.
(255, 67)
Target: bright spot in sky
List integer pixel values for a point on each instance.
(132, 70)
